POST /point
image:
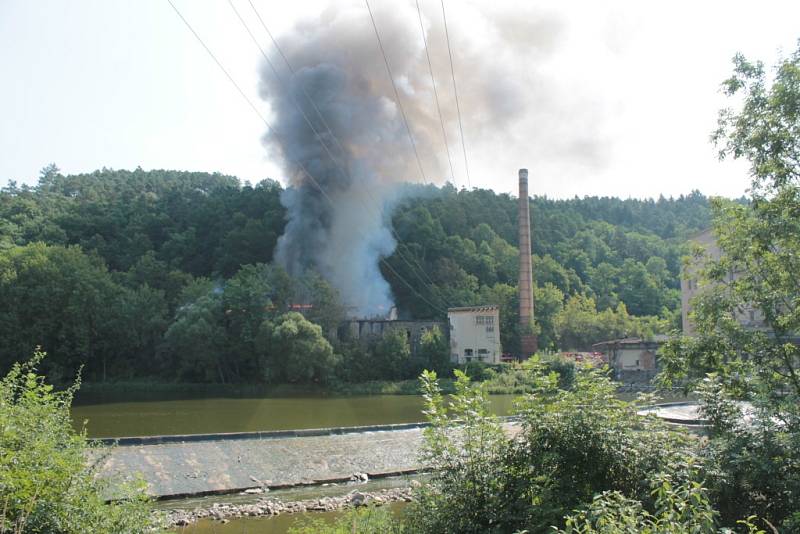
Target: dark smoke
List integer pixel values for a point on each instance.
(339, 65)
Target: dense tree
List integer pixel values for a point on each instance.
(760, 244)
(433, 352)
(177, 257)
(300, 350)
(392, 353)
(753, 460)
(579, 324)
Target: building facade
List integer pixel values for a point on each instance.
(366, 329)
(631, 359)
(691, 285)
(475, 334)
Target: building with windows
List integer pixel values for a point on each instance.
(631, 359)
(366, 330)
(474, 334)
(748, 316)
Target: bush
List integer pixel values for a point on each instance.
(678, 509)
(571, 446)
(753, 463)
(46, 483)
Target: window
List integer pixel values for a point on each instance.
(490, 328)
(479, 319)
(490, 319)
(468, 352)
(483, 351)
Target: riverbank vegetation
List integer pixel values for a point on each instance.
(500, 379)
(47, 476)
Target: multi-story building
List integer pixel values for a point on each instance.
(749, 316)
(475, 334)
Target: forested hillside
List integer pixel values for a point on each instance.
(168, 275)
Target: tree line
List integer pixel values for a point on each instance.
(169, 275)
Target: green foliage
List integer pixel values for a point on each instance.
(65, 300)
(465, 445)
(605, 249)
(753, 464)
(678, 509)
(391, 353)
(433, 352)
(760, 243)
(571, 445)
(579, 324)
(299, 350)
(46, 484)
(368, 520)
(139, 247)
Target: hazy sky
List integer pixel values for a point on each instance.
(622, 102)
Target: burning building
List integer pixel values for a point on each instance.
(369, 329)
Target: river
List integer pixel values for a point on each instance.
(157, 413)
(156, 416)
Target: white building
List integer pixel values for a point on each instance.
(475, 334)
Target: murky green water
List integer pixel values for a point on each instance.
(154, 414)
(206, 415)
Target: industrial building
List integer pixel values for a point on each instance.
(474, 331)
(748, 316)
(632, 360)
(474, 334)
(368, 329)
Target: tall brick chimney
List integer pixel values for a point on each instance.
(528, 342)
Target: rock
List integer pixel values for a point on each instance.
(360, 477)
(416, 484)
(253, 491)
(358, 499)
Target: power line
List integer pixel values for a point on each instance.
(396, 93)
(292, 72)
(230, 78)
(341, 166)
(298, 163)
(455, 92)
(284, 87)
(435, 93)
(399, 102)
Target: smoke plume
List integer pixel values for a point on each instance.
(344, 231)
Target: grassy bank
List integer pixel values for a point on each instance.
(144, 388)
(504, 379)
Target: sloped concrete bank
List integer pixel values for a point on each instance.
(175, 469)
(218, 464)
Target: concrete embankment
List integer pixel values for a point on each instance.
(218, 464)
(182, 466)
